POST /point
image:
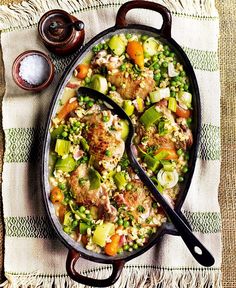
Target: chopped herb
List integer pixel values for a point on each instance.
(108, 153)
(140, 209)
(151, 149)
(144, 139)
(124, 162)
(148, 220)
(82, 181)
(105, 118)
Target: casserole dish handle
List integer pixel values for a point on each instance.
(73, 257)
(165, 13)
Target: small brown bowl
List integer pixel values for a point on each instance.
(23, 83)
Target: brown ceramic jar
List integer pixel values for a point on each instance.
(61, 32)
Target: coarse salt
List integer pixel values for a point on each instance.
(34, 69)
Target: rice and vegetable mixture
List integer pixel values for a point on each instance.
(99, 199)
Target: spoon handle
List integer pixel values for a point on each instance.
(198, 250)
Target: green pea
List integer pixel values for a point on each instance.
(82, 209)
(189, 121)
(62, 186)
(156, 66)
(95, 49)
(144, 37)
(161, 55)
(120, 251)
(67, 229)
(182, 73)
(128, 36)
(126, 224)
(166, 48)
(120, 222)
(180, 152)
(181, 179)
(172, 54)
(186, 87)
(75, 223)
(105, 46)
(126, 247)
(64, 134)
(123, 67)
(99, 46)
(90, 103)
(154, 205)
(185, 169)
(129, 186)
(135, 246)
(165, 64)
(87, 80)
(108, 153)
(157, 76)
(113, 88)
(176, 78)
(173, 94)
(86, 99)
(105, 119)
(173, 83)
(166, 53)
(154, 58)
(81, 99)
(186, 156)
(77, 124)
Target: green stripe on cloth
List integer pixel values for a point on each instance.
(39, 227)
(204, 222)
(28, 227)
(209, 148)
(202, 60)
(24, 144)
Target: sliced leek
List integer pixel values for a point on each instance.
(184, 98)
(117, 45)
(150, 46)
(128, 107)
(150, 117)
(94, 179)
(167, 179)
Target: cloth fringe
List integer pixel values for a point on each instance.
(26, 14)
(139, 277)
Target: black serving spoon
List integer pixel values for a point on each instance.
(199, 252)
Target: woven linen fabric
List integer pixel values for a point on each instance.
(33, 255)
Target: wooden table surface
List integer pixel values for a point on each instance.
(227, 191)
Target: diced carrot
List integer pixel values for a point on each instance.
(56, 195)
(62, 212)
(135, 51)
(112, 247)
(67, 108)
(181, 112)
(171, 153)
(81, 71)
